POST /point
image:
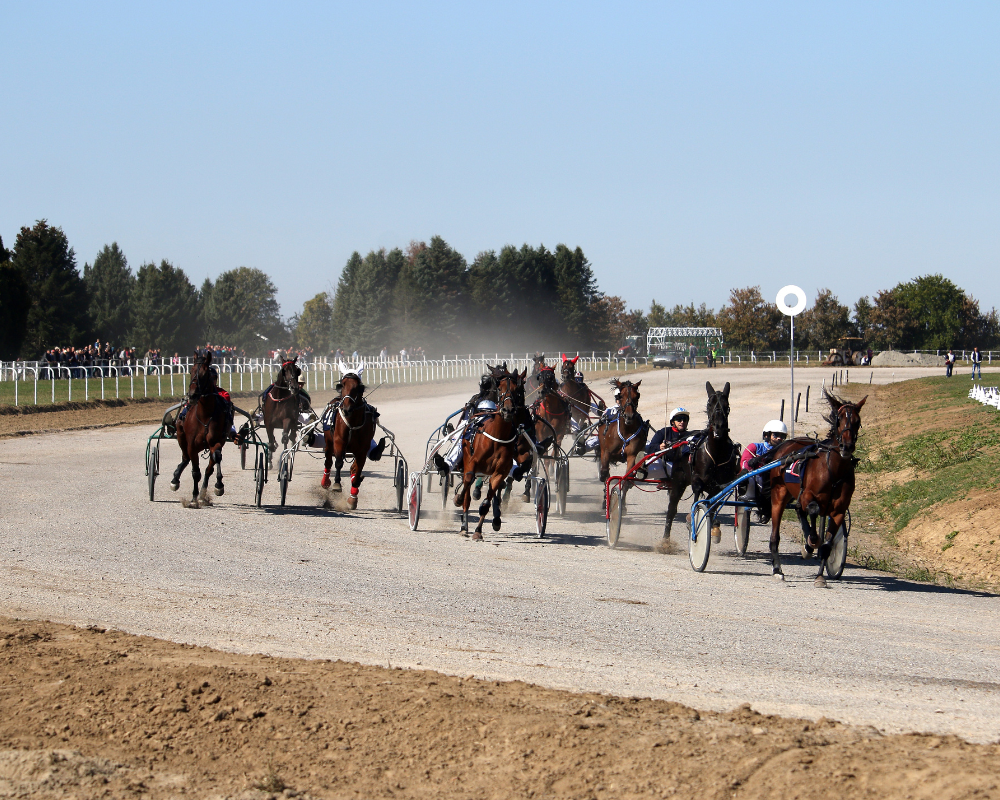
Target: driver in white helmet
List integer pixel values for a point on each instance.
(676, 431)
(754, 455)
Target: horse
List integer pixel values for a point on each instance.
(826, 481)
(714, 461)
(552, 410)
(352, 433)
(280, 404)
(622, 437)
(577, 393)
(492, 451)
(205, 426)
(535, 379)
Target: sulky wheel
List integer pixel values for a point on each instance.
(838, 554)
(445, 486)
(541, 507)
(700, 538)
(260, 477)
(413, 490)
(400, 486)
(283, 478)
(153, 468)
(742, 530)
(616, 510)
(243, 453)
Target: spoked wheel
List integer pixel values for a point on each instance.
(742, 530)
(700, 538)
(847, 522)
(243, 453)
(413, 490)
(260, 476)
(616, 510)
(838, 554)
(562, 485)
(153, 468)
(541, 506)
(400, 486)
(283, 478)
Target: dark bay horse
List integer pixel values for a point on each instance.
(205, 426)
(534, 378)
(826, 483)
(622, 437)
(714, 461)
(492, 451)
(551, 409)
(280, 404)
(577, 393)
(351, 434)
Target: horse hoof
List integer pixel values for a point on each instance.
(778, 576)
(477, 492)
(352, 503)
(220, 490)
(325, 483)
(496, 523)
(820, 582)
(716, 534)
(175, 486)
(337, 487)
(477, 537)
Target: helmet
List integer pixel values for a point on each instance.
(776, 426)
(679, 412)
(486, 405)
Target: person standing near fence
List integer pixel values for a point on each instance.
(693, 356)
(949, 363)
(977, 360)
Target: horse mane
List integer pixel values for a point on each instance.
(831, 417)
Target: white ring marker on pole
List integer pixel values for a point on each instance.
(800, 304)
(790, 312)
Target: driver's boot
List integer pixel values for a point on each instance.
(376, 452)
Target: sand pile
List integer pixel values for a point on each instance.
(893, 358)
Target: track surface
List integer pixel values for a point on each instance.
(81, 543)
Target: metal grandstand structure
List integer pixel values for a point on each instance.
(662, 338)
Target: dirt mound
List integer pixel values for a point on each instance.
(91, 713)
(894, 358)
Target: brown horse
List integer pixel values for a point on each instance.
(827, 481)
(577, 393)
(535, 378)
(492, 451)
(551, 409)
(205, 426)
(280, 405)
(623, 436)
(351, 434)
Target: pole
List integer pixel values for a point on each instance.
(791, 366)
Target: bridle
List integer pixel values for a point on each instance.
(506, 389)
(848, 423)
(628, 390)
(291, 382)
(718, 415)
(349, 404)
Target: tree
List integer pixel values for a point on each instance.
(373, 298)
(407, 298)
(576, 288)
(941, 313)
(439, 271)
(821, 326)
(751, 322)
(164, 310)
(243, 307)
(110, 283)
(57, 314)
(344, 314)
(610, 323)
(312, 328)
(14, 301)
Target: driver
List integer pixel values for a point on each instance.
(676, 431)
(759, 487)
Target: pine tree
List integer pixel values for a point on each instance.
(110, 283)
(241, 309)
(164, 310)
(14, 300)
(342, 331)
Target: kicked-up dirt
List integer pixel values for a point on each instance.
(93, 713)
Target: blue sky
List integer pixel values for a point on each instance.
(686, 147)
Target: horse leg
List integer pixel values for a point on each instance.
(356, 478)
(779, 499)
(464, 500)
(175, 482)
(676, 491)
(338, 466)
(196, 475)
(824, 552)
(493, 495)
(219, 488)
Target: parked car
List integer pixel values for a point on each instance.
(668, 358)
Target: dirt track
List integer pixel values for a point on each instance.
(328, 585)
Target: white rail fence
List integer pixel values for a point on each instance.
(33, 382)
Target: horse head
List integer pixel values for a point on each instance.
(569, 367)
(288, 376)
(539, 363)
(202, 375)
(547, 380)
(845, 422)
(510, 393)
(628, 399)
(352, 391)
(717, 409)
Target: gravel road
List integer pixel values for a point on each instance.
(81, 543)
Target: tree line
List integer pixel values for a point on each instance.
(927, 313)
(46, 302)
